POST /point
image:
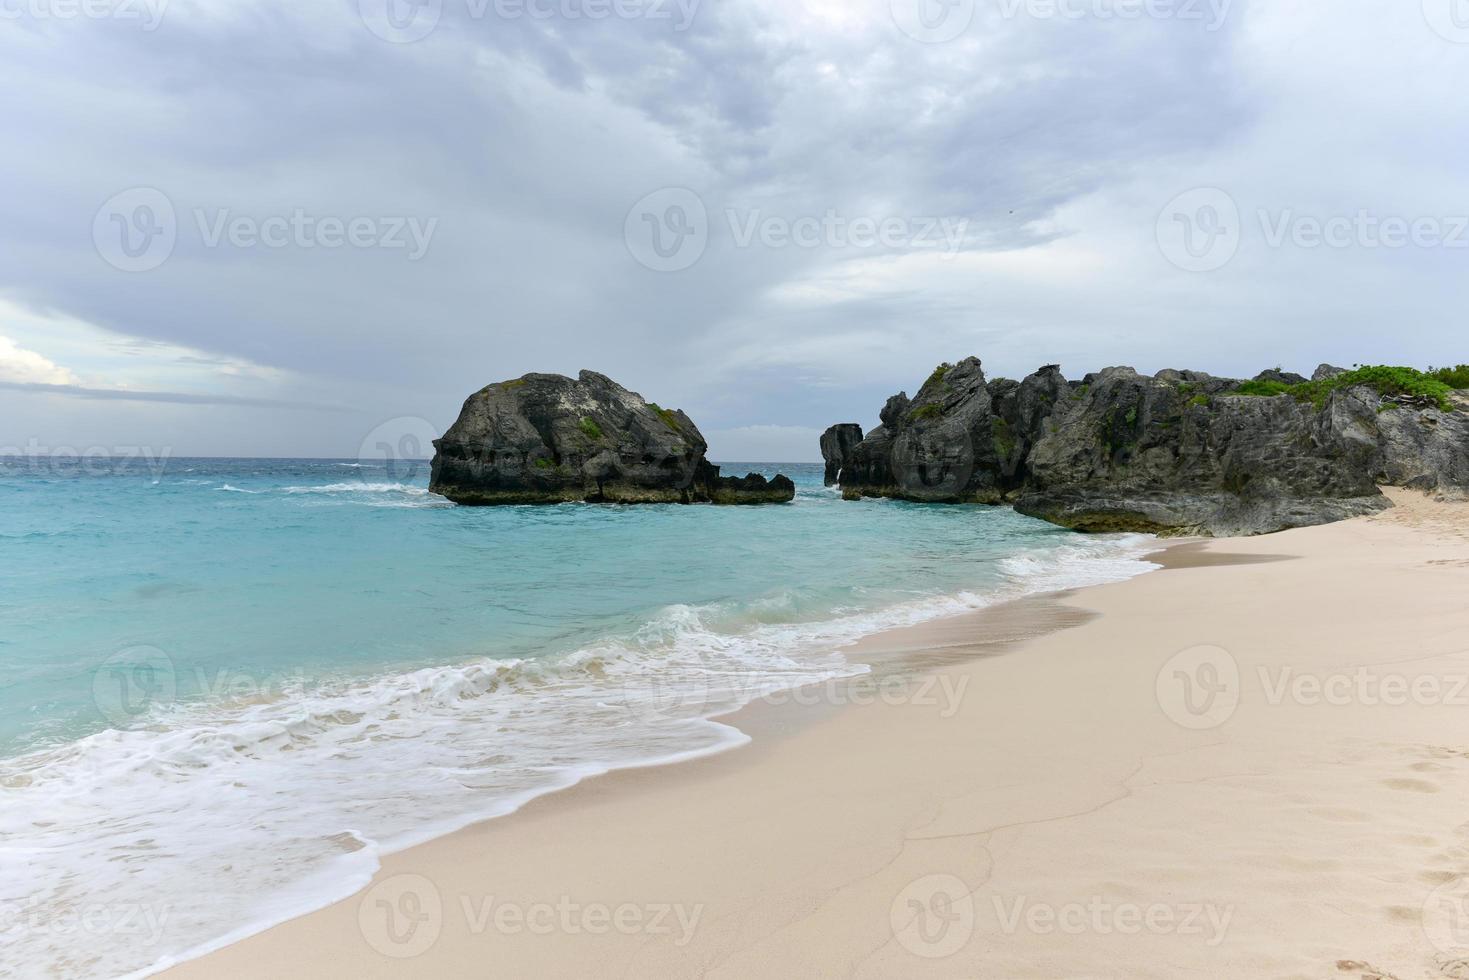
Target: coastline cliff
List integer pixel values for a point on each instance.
(1180, 452)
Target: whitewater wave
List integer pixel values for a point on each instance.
(364, 487)
(283, 798)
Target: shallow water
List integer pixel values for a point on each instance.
(229, 685)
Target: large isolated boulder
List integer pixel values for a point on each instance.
(1128, 452)
(545, 438)
(837, 444)
(938, 447)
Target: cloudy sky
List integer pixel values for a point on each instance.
(268, 228)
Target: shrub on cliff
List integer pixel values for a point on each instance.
(1383, 379)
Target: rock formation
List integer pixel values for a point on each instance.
(939, 447)
(1179, 453)
(1020, 410)
(750, 489)
(545, 438)
(1132, 453)
(1412, 445)
(836, 445)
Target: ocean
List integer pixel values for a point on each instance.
(230, 685)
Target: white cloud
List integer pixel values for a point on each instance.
(27, 367)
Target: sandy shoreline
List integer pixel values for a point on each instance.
(1236, 767)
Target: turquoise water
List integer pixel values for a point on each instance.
(283, 668)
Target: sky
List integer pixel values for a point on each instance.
(306, 229)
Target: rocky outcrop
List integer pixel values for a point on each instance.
(1409, 445)
(1182, 452)
(1020, 410)
(750, 489)
(938, 447)
(545, 438)
(1325, 371)
(1280, 377)
(837, 444)
(1135, 453)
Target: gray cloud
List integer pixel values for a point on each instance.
(1058, 140)
(164, 397)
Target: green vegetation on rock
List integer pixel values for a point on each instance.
(1005, 441)
(939, 373)
(590, 428)
(1454, 377)
(926, 412)
(669, 419)
(1384, 379)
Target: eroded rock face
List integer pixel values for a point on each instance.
(837, 444)
(1020, 409)
(1409, 446)
(938, 447)
(1178, 453)
(749, 489)
(1133, 453)
(545, 438)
